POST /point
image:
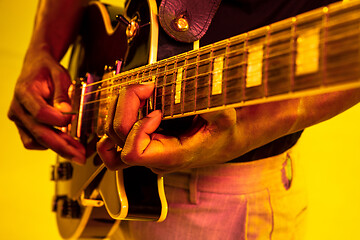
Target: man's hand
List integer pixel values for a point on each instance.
(205, 143)
(40, 98)
(213, 138)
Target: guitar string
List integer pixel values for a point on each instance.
(170, 92)
(213, 58)
(190, 66)
(178, 111)
(331, 23)
(202, 96)
(195, 64)
(190, 78)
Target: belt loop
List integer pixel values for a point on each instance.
(193, 186)
(287, 172)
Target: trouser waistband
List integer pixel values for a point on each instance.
(234, 178)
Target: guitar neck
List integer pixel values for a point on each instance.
(311, 53)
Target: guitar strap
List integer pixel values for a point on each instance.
(187, 20)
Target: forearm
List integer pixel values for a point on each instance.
(261, 124)
(319, 108)
(56, 25)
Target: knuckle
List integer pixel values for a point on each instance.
(62, 77)
(120, 130)
(21, 90)
(40, 137)
(27, 143)
(130, 157)
(11, 115)
(14, 113)
(39, 113)
(137, 125)
(111, 165)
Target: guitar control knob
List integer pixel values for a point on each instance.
(68, 208)
(63, 171)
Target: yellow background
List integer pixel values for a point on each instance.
(330, 151)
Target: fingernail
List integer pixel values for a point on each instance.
(147, 83)
(154, 113)
(63, 107)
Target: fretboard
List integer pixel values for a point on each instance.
(311, 53)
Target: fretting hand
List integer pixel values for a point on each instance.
(213, 138)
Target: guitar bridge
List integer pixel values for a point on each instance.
(89, 202)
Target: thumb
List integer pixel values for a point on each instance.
(62, 82)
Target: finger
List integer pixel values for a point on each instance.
(109, 124)
(50, 115)
(61, 82)
(130, 100)
(27, 140)
(140, 143)
(108, 152)
(46, 136)
(34, 97)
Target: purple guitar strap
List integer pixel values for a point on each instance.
(187, 20)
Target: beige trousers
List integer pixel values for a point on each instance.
(264, 199)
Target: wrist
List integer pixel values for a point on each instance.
(38, 51)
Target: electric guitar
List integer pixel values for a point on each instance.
(312, 53)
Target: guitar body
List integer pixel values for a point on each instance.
(90, 200)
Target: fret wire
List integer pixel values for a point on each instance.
(173, 89)
(183, 84)
(151, 99)
(210, 75)
(293, 53)
(196, 79)
(147, 102)
(324, 23)
(245, 68)
(155, 88)
(163, 94)
(266, 60)
(226, 59)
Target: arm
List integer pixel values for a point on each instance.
(215, 137)
(40, 94)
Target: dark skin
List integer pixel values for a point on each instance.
(41, 99)
(41, 92)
